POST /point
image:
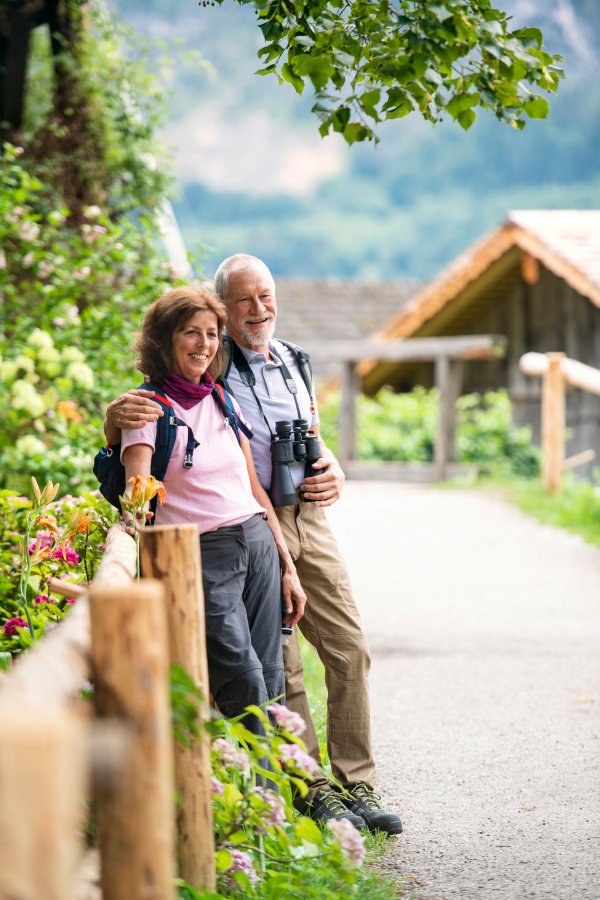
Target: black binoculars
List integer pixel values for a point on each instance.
(291, 443)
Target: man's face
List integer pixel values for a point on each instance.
(251, 306)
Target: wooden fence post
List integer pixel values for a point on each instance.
(442, 383)
(41, 790)
(553, 424)
(171, 553)
(348, 414)
(130, 659)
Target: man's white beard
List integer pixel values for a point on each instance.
(258, 336)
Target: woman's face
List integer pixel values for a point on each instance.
(195, 345)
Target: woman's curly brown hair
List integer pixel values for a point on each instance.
(154, 344)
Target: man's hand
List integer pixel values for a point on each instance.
(131, 410)
(325, 486)
(293, 595)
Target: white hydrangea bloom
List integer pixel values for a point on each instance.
(72, 354)
(40, 339)
(8, 370)
(25, 363)
(48, 355)
(25, 396)
(29, 445)
(81, 374)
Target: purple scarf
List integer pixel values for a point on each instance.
(185, 392)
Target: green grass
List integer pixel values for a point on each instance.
(576, 508)
(371, 884)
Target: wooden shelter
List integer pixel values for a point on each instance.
(535, 279)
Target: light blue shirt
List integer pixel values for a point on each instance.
(277, 402)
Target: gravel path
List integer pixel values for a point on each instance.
(485, 633)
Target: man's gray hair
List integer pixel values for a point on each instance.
(241, 262)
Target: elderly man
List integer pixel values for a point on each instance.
(258, 374)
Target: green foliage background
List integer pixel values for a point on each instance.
(402, 428)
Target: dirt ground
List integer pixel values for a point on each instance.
(485, 635)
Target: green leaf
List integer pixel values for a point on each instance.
(440, 12)
(5, 661)
(223, 860)
(238, 837)
(530, 36)
(26, 639)
(290, 75)
(460, 103)
(344, 58)
(304, 40)
(537, 108)
(466, 118)
(307, 830)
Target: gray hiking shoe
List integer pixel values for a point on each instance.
(364, 803)
(327, 805)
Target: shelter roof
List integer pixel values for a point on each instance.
(567, 242)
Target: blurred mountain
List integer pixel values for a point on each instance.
(254, 175)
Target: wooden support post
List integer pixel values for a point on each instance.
(41, 790)
(442, 383)
(171, 553)
(348, 414)
(553, 424)
(130, 657)
(455, 382)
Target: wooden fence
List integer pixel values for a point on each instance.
(56, 757)
(447, 354)
(558, 372)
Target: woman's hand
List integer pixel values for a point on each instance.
(293, 594)
(139, 519)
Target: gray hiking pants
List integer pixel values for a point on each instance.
(242, 596)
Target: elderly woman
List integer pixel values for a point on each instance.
(179, 349)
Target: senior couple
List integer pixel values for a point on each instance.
(253, 554)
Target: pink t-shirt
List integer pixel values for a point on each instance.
(216, 490)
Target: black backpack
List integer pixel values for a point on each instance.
(110, 471)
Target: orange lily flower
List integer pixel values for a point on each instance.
(39, 555)
(49, 522)
(154, 488)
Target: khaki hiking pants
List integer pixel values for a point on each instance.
(331, 623)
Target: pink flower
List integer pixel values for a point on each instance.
(229, 756)
(166, 265)
(71, 601)
(66, 554)
(290, 721)
(10, 628)
(350, 840)
(19, 151)
(217, 786)
(119, 246)
(276, 813)
(42, 598)
(292, 754)
(241, 863)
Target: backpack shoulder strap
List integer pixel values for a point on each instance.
(226, 369)
(225, 404)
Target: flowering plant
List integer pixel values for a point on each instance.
(134, 505)
(263, 847)
(41, 539)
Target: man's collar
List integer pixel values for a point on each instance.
(257, 356)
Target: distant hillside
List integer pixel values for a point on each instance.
(256, 177)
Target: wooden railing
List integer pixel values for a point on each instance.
(123, 635)
(557, 371)
(447, 355)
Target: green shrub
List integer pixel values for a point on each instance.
(402, 427)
